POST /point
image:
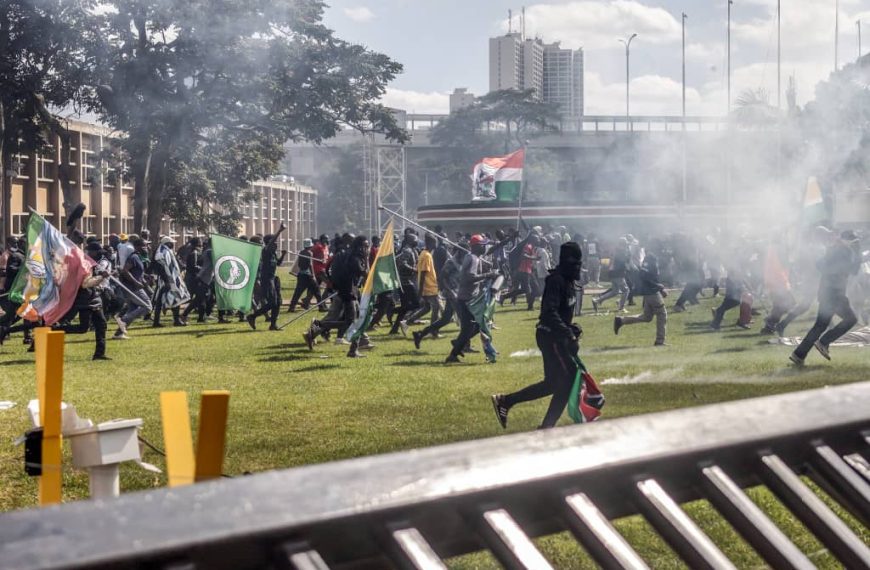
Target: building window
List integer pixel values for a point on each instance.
(19, 223)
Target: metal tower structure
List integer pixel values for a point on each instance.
(370, 178)
(391, 182)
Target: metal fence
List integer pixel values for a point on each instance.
(416, 508)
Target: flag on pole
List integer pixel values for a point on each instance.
(586, 400)
(498, 178)
(383, 276)
(54, 269)
(814, 211)
(236, 263)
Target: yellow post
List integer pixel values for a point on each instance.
(211, 439)
(49, 389)
(177, 438)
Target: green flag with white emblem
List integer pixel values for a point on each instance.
(236, 263)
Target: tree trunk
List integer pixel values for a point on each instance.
(141, 167)
(156, 187)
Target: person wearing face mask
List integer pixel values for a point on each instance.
(558, 339)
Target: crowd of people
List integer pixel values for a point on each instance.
(442, 277)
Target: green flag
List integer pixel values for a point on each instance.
(236, 263)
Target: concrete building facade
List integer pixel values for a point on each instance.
(563, 79)
(108, 193)
(460, 99)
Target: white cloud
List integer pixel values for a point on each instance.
(650, 95)
(416, 102)
(359, 14)
(597, 23)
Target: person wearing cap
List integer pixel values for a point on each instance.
(305, 281)
(557, 337)
(653, 293)
(471, 274)
(89, 303)
(841, 260)
(172, 292)
(406, 263)
(132, 276)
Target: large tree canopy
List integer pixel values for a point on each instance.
(208, 91)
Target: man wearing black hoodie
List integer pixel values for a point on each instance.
(557, 337)
(841, 260)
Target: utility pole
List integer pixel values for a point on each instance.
(858, 23)
(837, 35)
(627, 79)
(779, 96)
(684, 70)
(730, 2)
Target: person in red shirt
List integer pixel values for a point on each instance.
(525, 284)
(320, 260)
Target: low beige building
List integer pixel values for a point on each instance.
(108, 194)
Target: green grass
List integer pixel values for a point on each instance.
(291, 407)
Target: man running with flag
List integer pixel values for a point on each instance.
(559, 341)
(383, 277)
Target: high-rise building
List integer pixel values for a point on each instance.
(555, 73)
(460, 99)
(563, 79)
(515, 63)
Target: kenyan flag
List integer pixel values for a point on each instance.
(498, 178)
(383, 276)
(814, 211)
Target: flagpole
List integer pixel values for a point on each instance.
(305, 312)
(522, 188)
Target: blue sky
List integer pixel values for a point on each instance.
(443, 44)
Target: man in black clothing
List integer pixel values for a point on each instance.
(841, 260)
(470, 276)
(14, 262)
(348, 272)
(305, 281)
(89, 303)
(558, 339)
(270, 285)
(197, 289)
(406, 263)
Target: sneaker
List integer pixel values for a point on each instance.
(182, 323)
(617, 324)
(823, 350)
(418, 337)
(100, 357)
(355, 354)
(157, 325)
(452, 359)
(122, 326)
(744, 326)
(661, 344)
(766, 329)
(309, 339)
(403, 326)
(679, 309)
(274, 328)
(501, 411)
(796, 360)
(120, 335)
(341, 340)
(252, 322)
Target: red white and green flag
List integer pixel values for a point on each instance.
(383, 276)
(498, 178)
(814, 211)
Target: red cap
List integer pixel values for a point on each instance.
(478, 239)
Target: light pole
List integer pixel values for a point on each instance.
(837, 35)
(627, 78)
(858, 23)
(779, 54)
(684, 69)
(730, 2)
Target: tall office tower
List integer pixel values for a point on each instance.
(515, 63)
(563, 79)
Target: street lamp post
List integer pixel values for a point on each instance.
(730, 2)
(858, 23)
(685, 17)
(627, 79)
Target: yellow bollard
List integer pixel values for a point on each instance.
(211, 439)
(177, 438)
(49, 389)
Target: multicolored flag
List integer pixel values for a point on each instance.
(236, 263)
(383, 276)
(498, 178)
(54, 269)
(482, 308)
(175, 292)
(586, 399)
(814, 210)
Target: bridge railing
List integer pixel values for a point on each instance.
(415, 509)
(596, 123)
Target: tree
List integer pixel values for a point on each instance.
(207, 92)
(44, 65)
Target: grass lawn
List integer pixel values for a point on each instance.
(289, 406)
